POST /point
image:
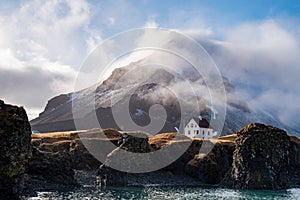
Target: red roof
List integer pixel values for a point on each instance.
(202, 123)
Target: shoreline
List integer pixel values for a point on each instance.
(85, 166)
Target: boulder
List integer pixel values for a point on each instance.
(15, 149)
(261, 158)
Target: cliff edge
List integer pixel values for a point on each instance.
(15, 149)
(256, 157)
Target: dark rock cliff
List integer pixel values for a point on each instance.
(50, 166)
(257, 157)
(294, 169)
(135, 142)
(15, 149)
(58, 158)
(261, 159)
(206, 169)
(211, 168)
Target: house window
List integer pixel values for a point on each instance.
(189, 132)
(208, 133)
(202, 132)
(197, 132)
(192, 125)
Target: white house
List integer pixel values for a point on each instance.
(198, 128)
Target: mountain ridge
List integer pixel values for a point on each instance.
(152, 86)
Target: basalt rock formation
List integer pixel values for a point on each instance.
(133, 142)
(257, 157)
(58, 156)
(15, 149)
(50, 166)
(294, 169)
(211, 168)
(261, 159)
(208, 169)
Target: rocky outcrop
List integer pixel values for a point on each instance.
(15, 149)
(261, 159)
(211, 168)
(60, 160)
(58, 157)
(257, 157)
(82, 159)
(135, 142)
(179, 166)
(51, 166)
(206, 169)
(294, 166)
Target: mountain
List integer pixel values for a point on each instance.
(145, 87)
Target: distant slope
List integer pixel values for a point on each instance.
(58, 116)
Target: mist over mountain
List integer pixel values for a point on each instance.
(147, 85)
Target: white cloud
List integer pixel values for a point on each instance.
(33, 85)
(9, 61)
(284, 104)
(262, 58)
(42, 44)
(265, 52)
(54, 26)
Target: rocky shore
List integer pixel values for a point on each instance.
(256, 157)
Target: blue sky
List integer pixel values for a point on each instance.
(216, 14)
(47, 41)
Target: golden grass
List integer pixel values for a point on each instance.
(105, 134)
(112, 134)
(167, 138)
(231, 137)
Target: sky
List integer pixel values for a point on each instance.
(256, 44)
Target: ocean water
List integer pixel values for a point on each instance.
(156, 192)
